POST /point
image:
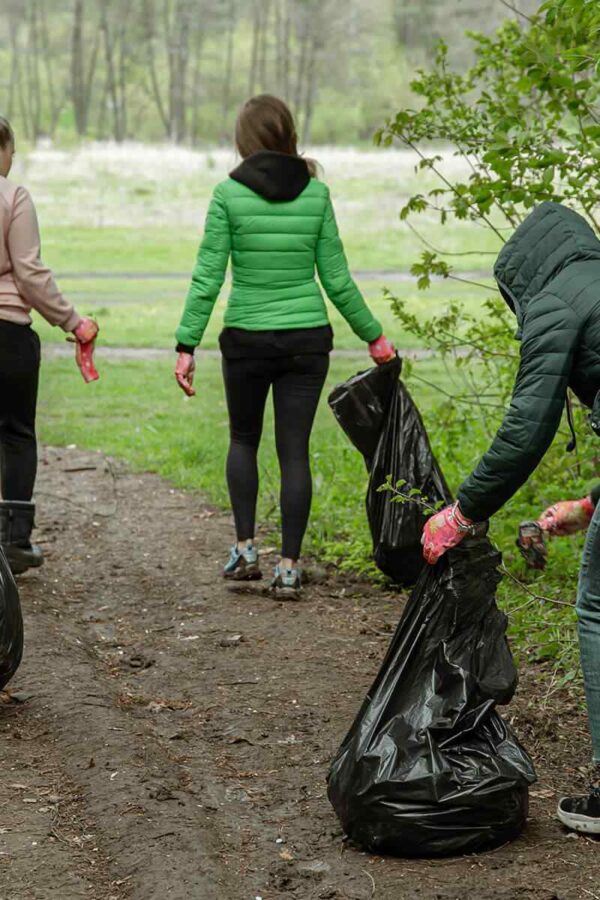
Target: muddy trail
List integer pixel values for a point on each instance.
(168, 738)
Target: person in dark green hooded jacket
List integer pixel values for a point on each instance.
(549, 274)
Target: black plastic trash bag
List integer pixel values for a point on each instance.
(429, 767)
(11, 623)
(380, 417)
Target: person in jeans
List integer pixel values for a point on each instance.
(275, 220)
(549, 274)
(25, 283)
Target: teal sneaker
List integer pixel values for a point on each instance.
(287, 583)
(242, 565)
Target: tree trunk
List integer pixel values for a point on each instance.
(82, 78)
(77, 74)
(111, 82)
(150, 34)
(56, 102)
(227, 81)
(255, 45)
(311, 84)
(182, 58)
(302, 61)
(263, 45)
(196, 89)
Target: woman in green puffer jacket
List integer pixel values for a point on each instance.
(275, 220)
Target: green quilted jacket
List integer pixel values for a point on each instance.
(276, 244)
(549, 274)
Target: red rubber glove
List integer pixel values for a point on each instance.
(184, 373)
(382, 350)
(567, 517)
(443, 531)
(85, 337)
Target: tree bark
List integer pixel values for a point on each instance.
(150, 35)
(82, 78)
(227, 80)
(196, 99)
(255, 45)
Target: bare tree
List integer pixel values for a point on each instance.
(228, 77)
(82, 75)
(176, 20)
(116, 52)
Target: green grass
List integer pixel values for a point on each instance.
(372, 243)
(137, 413)
(145, 313)
(142, 213)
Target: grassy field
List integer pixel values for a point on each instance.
(137, 212)
(136, 412)
(145, 312)
(141, 209)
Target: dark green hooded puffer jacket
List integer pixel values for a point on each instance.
(549, 274)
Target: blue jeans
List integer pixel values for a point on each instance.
(588, 616)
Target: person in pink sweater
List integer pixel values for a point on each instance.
(25, 284)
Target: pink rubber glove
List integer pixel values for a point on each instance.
(567, 517)
(85, 337)
(184, 373)
(443, 531)
(382, 350)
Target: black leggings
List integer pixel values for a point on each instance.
(297, 383)
(19, 371)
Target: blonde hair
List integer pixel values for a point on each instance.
(7, 135)
(265, 123)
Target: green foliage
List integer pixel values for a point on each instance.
(525, 117)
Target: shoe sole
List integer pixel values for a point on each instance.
(575, 822)
(292, 594)
(246, 574)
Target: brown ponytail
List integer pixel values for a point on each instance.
(265, 123)
(6, 133)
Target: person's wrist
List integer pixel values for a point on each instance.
(185, 348)
(588, 506)
(460, 520)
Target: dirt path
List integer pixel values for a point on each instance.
(178, 736)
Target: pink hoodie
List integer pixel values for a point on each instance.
(25, 282)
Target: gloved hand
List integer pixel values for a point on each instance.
(443, 531)
(86, 331)
(567, 517)
(184, 373)
(382, 350)
(85, 337)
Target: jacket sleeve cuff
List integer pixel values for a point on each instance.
(468, 510)
(185, 348)
(72, 322)
(373, 332)
(595, 494)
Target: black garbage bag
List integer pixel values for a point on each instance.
(379, 416)
(429, 767)
(11, 623)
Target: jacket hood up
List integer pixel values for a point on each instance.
(551, 238)
(275, 176)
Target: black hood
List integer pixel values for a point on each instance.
(275, 176)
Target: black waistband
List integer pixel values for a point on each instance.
(237, 343)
